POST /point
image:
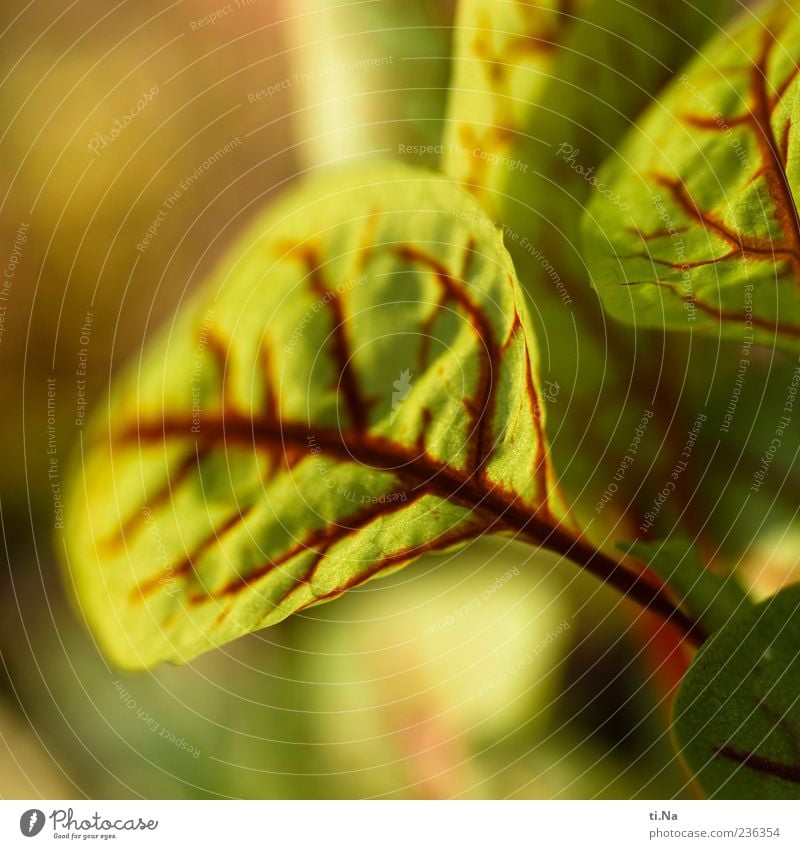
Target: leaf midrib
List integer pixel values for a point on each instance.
(500, 510)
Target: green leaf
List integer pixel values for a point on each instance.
(737, 715)
(520, 105)
(526, 134)
(710, 238)
(368, 77)
(708, 598)
(504, 55)
(355, 387)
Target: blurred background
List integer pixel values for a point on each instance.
(138, 139)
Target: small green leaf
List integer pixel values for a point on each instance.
(708, 234)
(354, 388)
(737, 715)
(709, 598)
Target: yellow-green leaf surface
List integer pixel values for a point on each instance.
(354, 387)
(710, 238)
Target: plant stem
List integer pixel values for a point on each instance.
(611, 571)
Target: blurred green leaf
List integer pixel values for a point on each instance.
(368, 77)
(737, 715)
